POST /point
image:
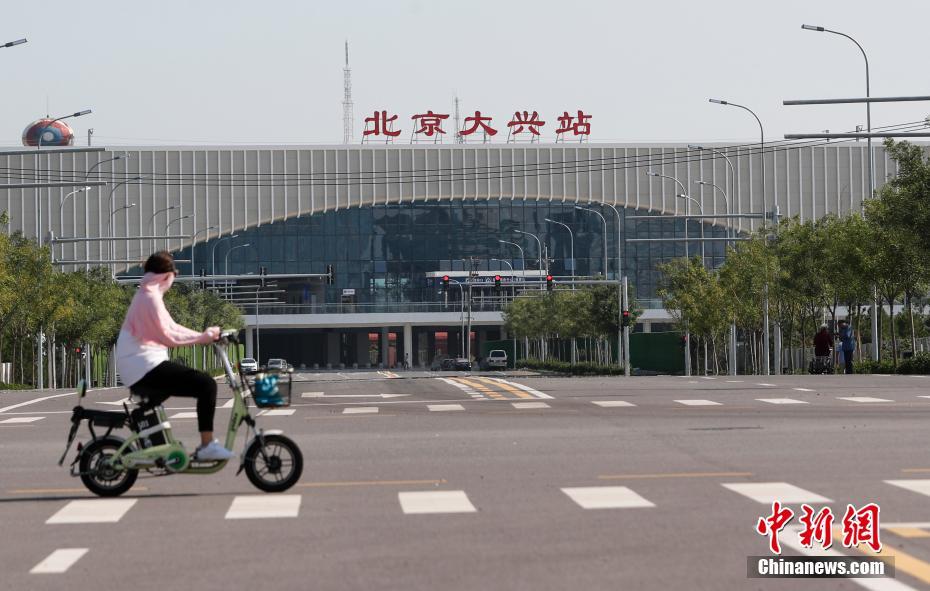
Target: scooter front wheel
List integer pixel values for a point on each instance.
(96, 472)
(275, 467)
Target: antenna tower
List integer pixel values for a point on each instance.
(347, 105)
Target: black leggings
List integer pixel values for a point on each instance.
(173, 379)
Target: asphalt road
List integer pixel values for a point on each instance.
(454, 481)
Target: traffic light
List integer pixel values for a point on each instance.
(331, 274)
(497, 281)
(549, 282)
(626, 321)
(445, 281)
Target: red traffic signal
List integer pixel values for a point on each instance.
(626, 319)
(497, 281)
(549, 282)
(445, 281)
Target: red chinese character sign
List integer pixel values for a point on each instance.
(577, 125)
(478, 122)
(381, 124)
(526, 121)
(430, 123)
(774, 523)
(861, 527)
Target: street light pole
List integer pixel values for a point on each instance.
(213, 252)
(522, 260)
(539, 250)
(688, 207)
(172, 222)
(226, 271)
(12, 43)
(110, 246)
(151, 225)
(571, 236)
(61, 208)
(623, 336)
(876, 353)
(766, 361)
(194, 242)
(598, 214)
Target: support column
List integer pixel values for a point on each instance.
(361, 349)
(409, 353)
(332, 349)
(385, 346)
(249, 342)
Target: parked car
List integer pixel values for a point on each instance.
(276, 364)
(497, 359)
(248, 365)
(461, 364)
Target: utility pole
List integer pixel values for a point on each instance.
(348, 107)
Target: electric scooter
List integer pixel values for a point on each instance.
(109, 465)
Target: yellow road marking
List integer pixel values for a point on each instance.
(674, 475)
(902, 560)
(369, 483)
(481, 387)
(517, 391)
(909, 532)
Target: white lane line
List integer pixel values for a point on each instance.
(781, 401)
(611, 403)
(360, 410)
(523, 387)
(440, 501)
(35, 400)
(58, 561)
(863, 399)
(770, 385)
(530, 405)
(312, 395)
(923, 396)
(92, 511)
(277, 412)
(263, 507)
(184, 415)
(804, 389)
(734, 381)
(918, 486)
(707, 378)
(790, 539)
(228, 403)
(766, 492)
(698, 402)
(17, 420)
(606, 497)
(463, 387)
(444, 407)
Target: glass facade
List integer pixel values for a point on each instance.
(385, 252)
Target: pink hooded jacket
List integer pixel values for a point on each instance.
(149, 321)
(149, 330)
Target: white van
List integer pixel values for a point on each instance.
(497, 359)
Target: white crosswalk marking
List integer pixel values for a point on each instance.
(530, 405)
(463, 387)
(611, 403)
(20, 420)
(312, 395)
(444, 407)
(698, 402)
(59, 561)
(863, 399)
(923, 396)
(228, 404)
(763, 384)
(734, 381)
(606, 497)
(918, 486)
(184, 415)
(277, 412)
(92, 511)
(360, 410)
(536, 393)
(264, 507)
(781, 401)
(441, 501)
(803, 389)
(767, 492)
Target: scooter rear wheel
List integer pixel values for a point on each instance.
(278, 468)
(96, 474)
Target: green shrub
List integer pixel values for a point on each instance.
(869, 366)
(585, 368)
(918, 364)
(14, 386)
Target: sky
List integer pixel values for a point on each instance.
(177, 72)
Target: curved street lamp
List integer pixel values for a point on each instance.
(174, 221)
(688, 207)
(213, 252)
(598, 214)
(522, 260)
(61, 206)
(194, 243)
(12, 43)
(539, 250)
(571, 236)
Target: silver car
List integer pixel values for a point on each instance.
(497, 359)
(277, 364)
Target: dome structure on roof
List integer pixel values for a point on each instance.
(53, 133)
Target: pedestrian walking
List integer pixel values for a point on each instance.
(847, 344)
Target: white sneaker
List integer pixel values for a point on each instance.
(213, 451)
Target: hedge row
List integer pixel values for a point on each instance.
(577, 369)
(918, 364)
